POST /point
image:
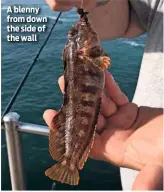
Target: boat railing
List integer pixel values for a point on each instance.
(13, 126)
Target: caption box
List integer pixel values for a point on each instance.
(21, 20)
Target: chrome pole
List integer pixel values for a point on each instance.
(11, 122)
(34, 129)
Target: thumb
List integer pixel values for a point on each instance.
(97, 149)
(48, 116)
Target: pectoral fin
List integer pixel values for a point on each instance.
(102, 62)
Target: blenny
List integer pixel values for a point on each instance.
(73, 128)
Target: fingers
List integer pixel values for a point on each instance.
(113, 90)
(52, 4)
(101, 120)
(108, 107)
(61, 83)
(96, 151)
(48, 115)
(100, 124)
(63, 5)
(127, 113)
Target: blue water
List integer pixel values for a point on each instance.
(41, 92)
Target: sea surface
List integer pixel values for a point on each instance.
(41, 91)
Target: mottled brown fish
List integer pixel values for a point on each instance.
(73, 128)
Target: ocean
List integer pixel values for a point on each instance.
(41, 91)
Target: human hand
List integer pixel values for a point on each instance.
(125, 137)
(65, 5)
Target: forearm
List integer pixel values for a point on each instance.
(110, 19)
(134, 28)
(115, 19)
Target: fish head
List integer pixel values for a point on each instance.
(85, 38)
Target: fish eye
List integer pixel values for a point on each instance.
(95, 52)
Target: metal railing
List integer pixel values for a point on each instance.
(12, 127)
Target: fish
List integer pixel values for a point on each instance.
(73, 129)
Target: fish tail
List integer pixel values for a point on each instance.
(64, 174)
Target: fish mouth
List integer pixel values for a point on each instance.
(81, 24)
(83, 14)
